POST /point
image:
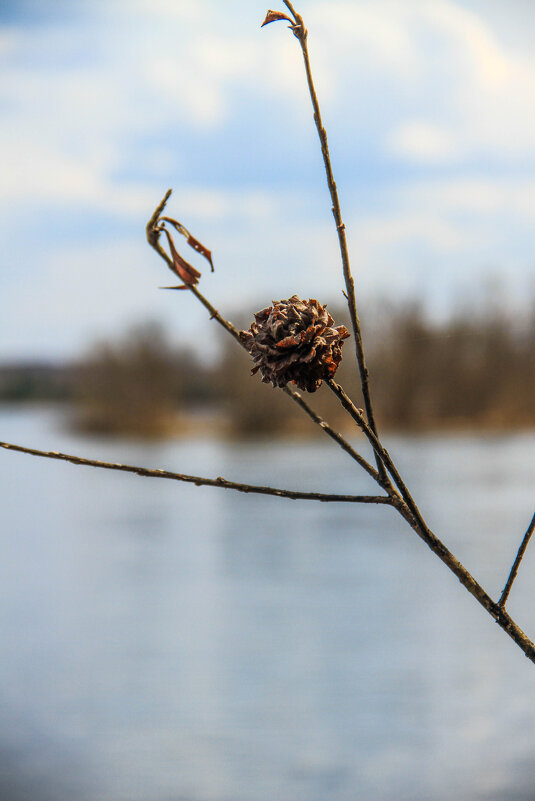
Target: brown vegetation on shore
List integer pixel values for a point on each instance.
(473, 371)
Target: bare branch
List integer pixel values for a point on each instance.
(301, 33)
(153, 234)
(199, 481)
(418, 525)
(403, 501)
(516, 564)
(298, 19)
(298, 398)
(380, 451)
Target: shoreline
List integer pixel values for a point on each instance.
(215, 424)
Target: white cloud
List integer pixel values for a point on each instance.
(202, 76)
(473, 90)
(437, 236)
(375, 34)
(184, 10)
(215, 204)
(493, 66)
(405, 250)
(432, 82)
(8, 42)
(429, 236)
(39, 174)
(189, 76)
(423, 142)
(493, 102)
(402, 228)
(200, 97)
(478, 197)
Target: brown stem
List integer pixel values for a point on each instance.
(153, 235)
(199, 481)
(516, 564)
(301, 33)
(298, 398)
(431, 540)
(380, 451)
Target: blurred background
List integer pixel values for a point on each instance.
(168, 642)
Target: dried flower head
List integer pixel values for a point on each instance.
(294, 341)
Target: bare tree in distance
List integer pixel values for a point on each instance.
(296, 342)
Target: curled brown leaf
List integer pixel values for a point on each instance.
(192, 242)
(274, 16)
(183, 269)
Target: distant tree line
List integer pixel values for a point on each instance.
(33, 380)
(473, 370)
(476, 369)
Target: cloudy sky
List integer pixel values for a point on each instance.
(430, 111)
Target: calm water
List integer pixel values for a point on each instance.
(162, 642)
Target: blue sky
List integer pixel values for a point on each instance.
(430, 111)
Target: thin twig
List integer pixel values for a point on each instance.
(301, 34)
(199, 481)
(298, 398)
(516, 564)
(431, 540)
(405, 505)
(379, 449)
(153, 235)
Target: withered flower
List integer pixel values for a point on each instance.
(294, 341)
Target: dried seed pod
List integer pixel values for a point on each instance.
(295, 341)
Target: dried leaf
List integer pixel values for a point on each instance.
(185, 271)
(274, 16)
(200, 248)
(192, 242)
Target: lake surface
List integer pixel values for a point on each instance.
(163, 642)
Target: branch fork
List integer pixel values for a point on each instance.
(385, 474)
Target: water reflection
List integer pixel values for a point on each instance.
(170, 642)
